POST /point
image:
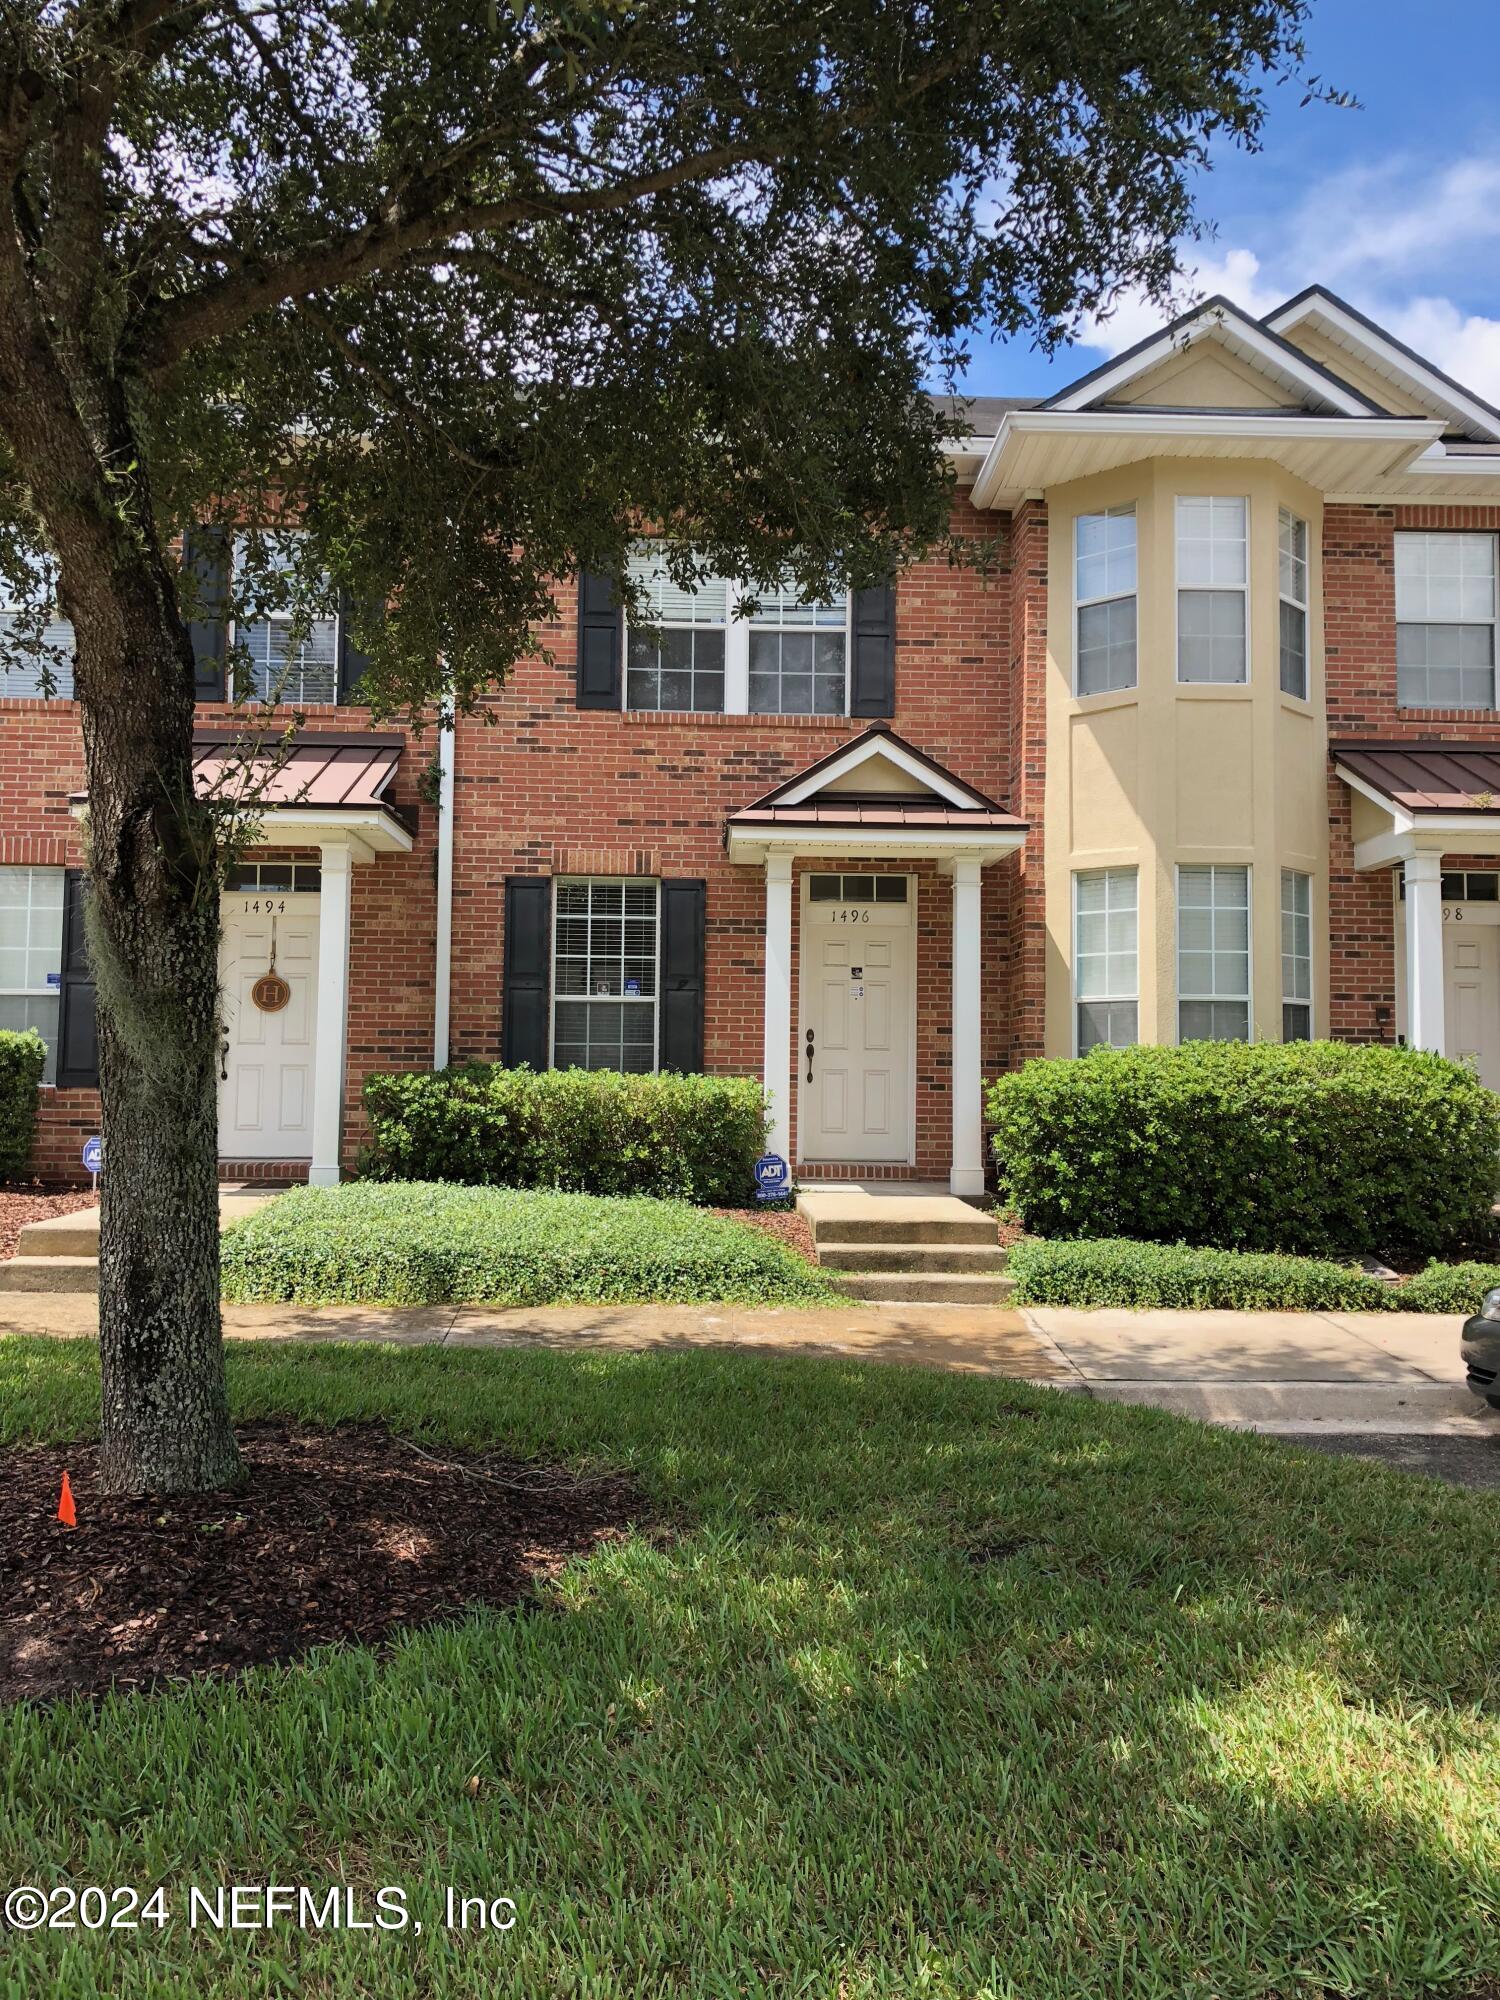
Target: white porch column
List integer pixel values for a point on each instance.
(1424, 952)
(331, 1031)
(776, 1063)
(967, 1173)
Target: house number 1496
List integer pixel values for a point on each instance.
(850, 916)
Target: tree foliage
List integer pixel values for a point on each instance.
(482, 290)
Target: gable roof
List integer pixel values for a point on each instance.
(1348, 327)
(806, 797)
(1218, 318)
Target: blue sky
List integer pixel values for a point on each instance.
(1395, 206)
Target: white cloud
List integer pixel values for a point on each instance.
(1386, 238)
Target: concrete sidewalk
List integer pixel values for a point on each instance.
(1288, 1372)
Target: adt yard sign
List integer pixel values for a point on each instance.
(770, 1177)
(93, 1155)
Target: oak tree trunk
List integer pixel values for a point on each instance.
(153, 930)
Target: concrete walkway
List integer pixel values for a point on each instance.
(1281, 1372)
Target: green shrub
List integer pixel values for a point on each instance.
(1116, 1272)
(1318, 1147)
(1449, 1288)
(690, 1138)
(421, 1243)
(22, 1059)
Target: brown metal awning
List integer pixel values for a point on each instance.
(1426, 777)
(875, 812)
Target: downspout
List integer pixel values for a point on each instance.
(442, 984)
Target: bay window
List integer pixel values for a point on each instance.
(1105, 958)
(1292, 585)
(1212, 592)
(1104, 597)
(1213, 954)
(1296, 956)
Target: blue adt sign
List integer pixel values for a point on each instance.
(93, 1156)
(770, 1177)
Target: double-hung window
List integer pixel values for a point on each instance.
(1445, 621)
(1213, 954)
(1212, 589)
(1105, 957)
(1292, 581)
(36, 644)
(1296, 956)
(278, 657)
(1104, 586)
(677, 663)
(31, 948)
(798, 657)
(605, 945)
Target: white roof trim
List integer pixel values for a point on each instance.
(1217, 323)
(861, 752)
(854, 843)
(1387, 357)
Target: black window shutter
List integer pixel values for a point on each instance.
(205, 554)
(680, 1005)
(77, 1035)
(601, 631)
(528, 982)
(872, 681)
(353, 664)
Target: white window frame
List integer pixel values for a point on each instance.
(1297, 999)
(283, 699)
(1285, 519)
(737, 632)
(1082, 603)
(56, 626)
(652, 1000)
(1493, 621)
(46, 992)
(1178, 588)
(1105, 999)
(1207, 998)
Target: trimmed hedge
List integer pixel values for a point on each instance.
(23, 1056)
(690, 1138)
(428, 1244)
(1324, 1148)
(1117, 1272)
(1449, 1288)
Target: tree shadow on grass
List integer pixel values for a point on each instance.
(947, 1686)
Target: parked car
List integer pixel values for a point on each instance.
(1481, 1349)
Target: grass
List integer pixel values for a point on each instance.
(946, 1687)
(427, 1243)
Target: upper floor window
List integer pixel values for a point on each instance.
(1296, 956)
(36, 645)
(681, 665)
(1104, 587)
(1213, 954)
(605, 943)
(1105, 958)
(1445, 621)
(1212, 575)
(1292, 582)
(31, 951)
(798, 657)
(279, 658)
(788, 657)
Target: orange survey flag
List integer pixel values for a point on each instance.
(67, 1513)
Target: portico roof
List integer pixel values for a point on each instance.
(878, 795)
(1421, 798)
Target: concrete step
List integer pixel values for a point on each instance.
(975, 1229)
(49, 1274)
(928, 1288)
(902, 1256)
(61, 1236)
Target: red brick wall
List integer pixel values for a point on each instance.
(1359, 589)
(1026, 770)
(548, 790)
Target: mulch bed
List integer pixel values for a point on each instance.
(349, 1534)
(18, 1206)
(785, 1224)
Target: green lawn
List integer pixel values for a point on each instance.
(947, 1687)
(410, 1243)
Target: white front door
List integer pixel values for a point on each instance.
(1471, 993)
(857, 1024)
(266, 1062)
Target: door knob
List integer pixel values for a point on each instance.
(224, 1060)
(809, 1054)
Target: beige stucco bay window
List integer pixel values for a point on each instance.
(1106, 957)
(1104, 587)
(1209, 767)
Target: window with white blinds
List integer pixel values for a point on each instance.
(1213, 954)
(1105, 957)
